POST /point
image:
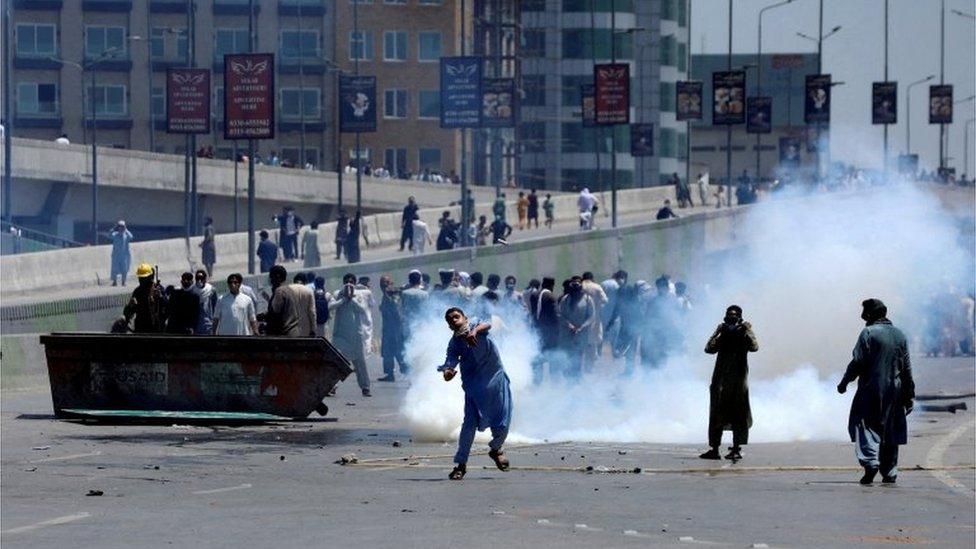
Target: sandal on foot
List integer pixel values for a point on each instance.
(500, 460)
(458, 472)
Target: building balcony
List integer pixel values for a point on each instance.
(35, 62)
(116, 6)
(311, 8)
(234, 7)
(37, 120)
(111, 122)
(167, 6)
(309, 64)
(38, 4)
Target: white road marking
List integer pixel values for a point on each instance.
(50, 522)
(933, 459)
(220, 490)
(65, 458)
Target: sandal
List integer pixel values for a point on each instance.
(458, 472)
(499, 458)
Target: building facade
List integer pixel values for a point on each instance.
(562, 39)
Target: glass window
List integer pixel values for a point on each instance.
(669, 53)
(230, 41)
(98, 40)
(682, 146)
(430, 46)
(682, 57)
(571, 89)
(682, 13)
(534, 43)
(37, 99)
(217, 105)
(395, 104)
(360, 2)
(534, 137)
(157, 42)
(395, 46)
(35, 40)
(430, 159)
(533, 5)
(395, 160)
(360, 45)
(597, 5)
(109, 100)
(290, 155)
(667, 146)
(667, 96)
(430, 104)
(395, 2)
(158, 104)
(534, 88)
(668, 10)
(579, 44)
(431, 2)
(295, 44)
(364, 152)
(291, 103)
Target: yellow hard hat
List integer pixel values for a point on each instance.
(144, 270)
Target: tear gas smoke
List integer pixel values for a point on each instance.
(808, 263)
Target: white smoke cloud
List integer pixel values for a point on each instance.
(810, 262)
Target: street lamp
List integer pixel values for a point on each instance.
(640, 83)
(961, 13)
(759, 78)
(819, 41)
(908, 111)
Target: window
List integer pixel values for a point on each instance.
(431, 2)
(157, 42)
(395, 104)
(98, 40)
(669, 53)
(430, 159)
(35, 40)
(430, 104)
(365, 154)
(598, 5)
(667, 143)
(534, 43)
(360, 45)
(291, 103)
(109, 101)
(533, 5)
(217, 105)
(667, 97)
(571, 89)
(534, 137)
(682, 57)
(682, 13)
(360, 2)
(579, 44)
(230, 41)
(395, 160)
(304, 44)
(37, 99)
(395, 2)
(682, 146)
(158, 104)
(291, 156)
(430, 46)
(395, 46)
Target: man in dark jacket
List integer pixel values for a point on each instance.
(392, 344)
(406, 223)
(147, 304)
(885, 393)
(729, 408)
(184, 307)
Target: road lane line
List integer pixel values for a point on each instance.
(50, 522)
(220, 490)
(65, 458)
(933, 460)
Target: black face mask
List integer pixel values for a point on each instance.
(575, 289)
(731, 320)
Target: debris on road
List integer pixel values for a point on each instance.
(348, 459)
(41, 448)
(95, 493)
(951, 407)
(396, 444)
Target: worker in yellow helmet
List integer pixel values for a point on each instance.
(147, 304)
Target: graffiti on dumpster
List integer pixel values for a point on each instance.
(229, 378)
(147, 378)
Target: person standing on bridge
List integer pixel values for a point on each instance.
(420, 234)
(522, 207)
(586, 203)
(208, 246)
(341, 232)
(549, 208)
(356, 228)
(121, 256)
(533, 208)
(885, 393)
(406, 223)
(487, 395)
(310, 246)
(729, 408)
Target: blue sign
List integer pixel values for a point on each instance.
(461, 99)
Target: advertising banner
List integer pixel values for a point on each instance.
(940, 104)
(188, 101)
(789, 151)
(642, 139)
(688, 96)
(461, 99)
(759, 115)
(249, 106)
(728, 97)
(817, 99)
(884, 103)
(587, 105)
(611, 95)
(498, 105)
(357, 104)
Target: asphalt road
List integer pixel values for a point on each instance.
(278, 485)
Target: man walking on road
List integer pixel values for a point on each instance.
(352, 328)
(885, 393)
(406, 223)
(392, 344)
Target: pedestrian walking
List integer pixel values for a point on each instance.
(885, 393)
(121, 255)
(208, 246)
(289, 225)
(703, 188)
(406, 223)
(356, 228)
(500, 231)
(208, 301)
(350, 330)
(267, 252)
(586, 203)
(235, 313)
(533, 209)
(310, 246)
(183, 306)
(549, 207)
(498, 208)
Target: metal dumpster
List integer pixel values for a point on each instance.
(285, 377)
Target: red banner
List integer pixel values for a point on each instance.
(249, 109)
(188, 101)
(612, 93)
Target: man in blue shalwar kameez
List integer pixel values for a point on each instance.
(487, 396)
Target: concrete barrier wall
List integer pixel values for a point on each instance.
(89, 266)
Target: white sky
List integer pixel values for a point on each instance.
(855, 55)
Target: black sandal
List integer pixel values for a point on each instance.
(458, 472)
(499, 458)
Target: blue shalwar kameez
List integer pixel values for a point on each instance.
(121, 256)
(487, 396)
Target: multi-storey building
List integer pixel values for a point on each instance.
(562, 39)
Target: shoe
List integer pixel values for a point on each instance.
(366, 393)
(386, 378)
(331, 392)
(458, 472)
(711, 454)
(869, 474)
(499, 458)
(735, 454)
(889, 480)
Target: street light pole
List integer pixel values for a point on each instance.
(94, 153)
(966, 143)
(942, 81)
(759, 81)
(359, 153)
(886, 80)
(908, 112)
(8, 126)
(250, 155)
(613, 129)
(728, 127)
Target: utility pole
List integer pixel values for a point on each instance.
(250, 154)
(613, 129)
(728, 127)
(192, 53)
(819, 71)
(359, 159)
(301, 89)
(465, 210)
(687, 77)
(94, 151)
(886, 80)
(8, 120)
(942, 82)
(596, 128)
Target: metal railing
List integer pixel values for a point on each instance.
(24, 240)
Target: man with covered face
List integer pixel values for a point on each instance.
(729, 408)
(885, 393)
(577, 315)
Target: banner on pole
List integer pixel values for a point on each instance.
(461, 99)
(817, 100)
(688, 97)
(940, 104)
(642, 140)
(728, 97)
(884, 103)
(357, 104)
(759, 115)
(249, 106)
(611, 94)
(587, 105)
(188, 101)
(498, 103)
(789, 151)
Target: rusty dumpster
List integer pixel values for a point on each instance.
(285, 377)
